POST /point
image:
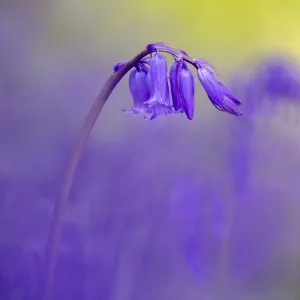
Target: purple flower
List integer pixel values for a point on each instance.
(211, 86)
(158, 76)
(220, 96)
(152, 86)
(174, 82)
(279, 77)
(187, 91)
(158, 108)
(139, 91)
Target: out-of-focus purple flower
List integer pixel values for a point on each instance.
(139, 92)
(279, 78)
(275, 79)
(187, 91)
(158, 76)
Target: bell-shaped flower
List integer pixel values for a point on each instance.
(139, 91)
(187, 91)
(174, 82)
(158, 72)
(157, 108)
(211, 86)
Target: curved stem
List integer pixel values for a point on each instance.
(61, 203)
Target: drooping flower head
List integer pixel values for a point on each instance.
(151, 81)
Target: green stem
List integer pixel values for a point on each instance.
(61, 203)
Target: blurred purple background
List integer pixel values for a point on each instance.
(168, 209)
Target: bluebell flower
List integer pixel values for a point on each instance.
(157, 108)
(139, 91)
(187, 91)
(174, 82)
(220, 96)
(182, 88)
(158, 77)
(211, 86)
(155, 69)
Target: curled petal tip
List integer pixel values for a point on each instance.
(231, 107)
(129, 111)
(228, 93)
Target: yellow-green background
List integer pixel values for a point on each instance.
(217, 30)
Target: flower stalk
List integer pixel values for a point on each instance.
(61, 203)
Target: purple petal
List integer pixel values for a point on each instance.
(131, 111)
(229, 94)
(159, 109)
(211, 85)
(158, 81)
(174, 80)
(187, 91)
(139, 91)
(231, 107)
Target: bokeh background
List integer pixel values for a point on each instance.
(163, 209)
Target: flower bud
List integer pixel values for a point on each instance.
(187, 91)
